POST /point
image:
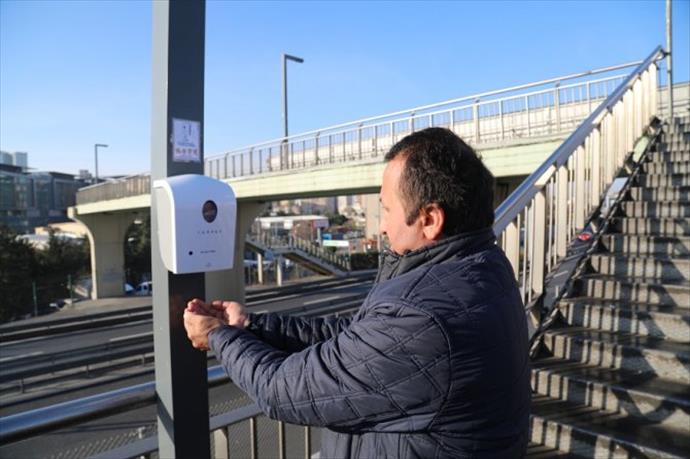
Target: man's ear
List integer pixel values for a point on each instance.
(433, 218)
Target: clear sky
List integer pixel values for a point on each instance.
(77, 73)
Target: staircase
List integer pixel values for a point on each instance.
(613, 375)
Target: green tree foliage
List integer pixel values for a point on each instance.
(336, 219)
(17, 269)
(64, 257)
(22, 266)
(138, 252)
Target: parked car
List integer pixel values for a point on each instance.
(144, 289)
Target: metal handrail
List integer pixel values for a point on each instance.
(535, 223)
(509, 208)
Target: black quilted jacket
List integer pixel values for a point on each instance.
(433, 365)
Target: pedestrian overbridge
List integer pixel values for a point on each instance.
(514, 129)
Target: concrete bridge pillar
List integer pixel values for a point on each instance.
(106, 233)
(229, 284)
(260, 268)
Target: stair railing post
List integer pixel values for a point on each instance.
(511, 246)
(596, 166)
(580, 188)
(562, 211)
(475, 116)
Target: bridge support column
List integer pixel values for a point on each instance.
(229, 284)
(260, 268)
(106, 239)
(279, 270)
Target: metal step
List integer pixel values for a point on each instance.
(586, 431)
(663, 180)
(647, 245)
(634, 353)
(667, 209)
(677, 167)
(651, 226)
(675, 137)
(645, 397)
(678, 193)
(669, 156)
(536, 451)
(611, 288)
(655, 320)
(650, 269)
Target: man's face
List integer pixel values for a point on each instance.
(402, 237)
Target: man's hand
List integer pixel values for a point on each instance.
(198, 327)
(229, 312)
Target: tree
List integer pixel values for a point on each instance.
(64, 257)
(17, 269)
(138, 252)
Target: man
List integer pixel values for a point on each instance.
(435, 362)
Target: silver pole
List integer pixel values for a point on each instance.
(285, 58)
(669, 68)
(95, 154)
(283, 153)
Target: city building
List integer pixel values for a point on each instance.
(30, 199)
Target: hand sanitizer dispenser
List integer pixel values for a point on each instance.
(196, 218)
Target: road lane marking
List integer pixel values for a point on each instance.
(23, 356)
(322, 300)
(123, 338)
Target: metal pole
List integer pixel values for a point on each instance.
(71, 292)
(284, 59)
(669, 54)
(177, 100)
(33, 289)
(95, 154)
(283, 153)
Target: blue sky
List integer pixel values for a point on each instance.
(77, 73)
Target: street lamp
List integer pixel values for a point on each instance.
(299, 60)
(95, 153)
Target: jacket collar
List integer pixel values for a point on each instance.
(458, 246)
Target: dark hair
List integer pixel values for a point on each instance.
(442, 169)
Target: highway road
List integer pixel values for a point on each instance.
(103, 434)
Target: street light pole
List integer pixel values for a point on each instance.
(95, 153)
(284, 59)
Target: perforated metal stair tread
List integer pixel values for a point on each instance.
(536, 451)
(671, 285)
(632, 434)
(636, 307)
(646, 383)
(644, 343)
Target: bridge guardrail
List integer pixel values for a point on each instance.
(542, 108)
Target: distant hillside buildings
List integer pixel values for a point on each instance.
(30, 199)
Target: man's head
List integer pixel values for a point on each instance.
(434, 186)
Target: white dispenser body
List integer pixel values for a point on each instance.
(196, 218)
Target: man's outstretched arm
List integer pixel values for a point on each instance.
(347, 381)
(288, 333)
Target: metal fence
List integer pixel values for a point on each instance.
(543, 108)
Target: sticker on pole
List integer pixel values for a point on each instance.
(186, 141)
